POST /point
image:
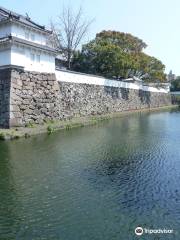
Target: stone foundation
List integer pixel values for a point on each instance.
(5, 84)
(83, 99)
(34, 98)
(30, 97)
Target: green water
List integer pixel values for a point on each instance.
(93, 183)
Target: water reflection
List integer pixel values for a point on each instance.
(9, 215)
(93, 183)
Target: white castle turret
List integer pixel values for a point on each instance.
(24, 43)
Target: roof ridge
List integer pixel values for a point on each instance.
(8, 12)
(12, 39)
(20, 17)
(38, 25)
(3, 9)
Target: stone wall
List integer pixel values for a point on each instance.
(4, 98)
(38, 97)
(83, 99)
(34, 97)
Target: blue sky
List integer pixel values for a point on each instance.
(154, 21)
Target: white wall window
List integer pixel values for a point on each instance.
(38, 58)
(26, 35)
(32, 57)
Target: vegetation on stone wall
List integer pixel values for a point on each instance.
(118, 55)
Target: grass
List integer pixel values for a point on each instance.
(68, 127)
(30, 125)
(9, 134)
(49, 121)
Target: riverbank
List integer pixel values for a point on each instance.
(52, 126)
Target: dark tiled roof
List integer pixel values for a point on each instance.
(4, 39)
(10, 15)
(11, 39)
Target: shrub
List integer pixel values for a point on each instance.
(50, 129)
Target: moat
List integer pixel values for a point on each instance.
(93, 183)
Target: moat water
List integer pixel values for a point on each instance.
(93, 183)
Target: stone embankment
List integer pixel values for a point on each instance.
(30, 97)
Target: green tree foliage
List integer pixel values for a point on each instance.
(175, 85)
(118, 55)
(102, 58)
(126, 41)
(148, 68)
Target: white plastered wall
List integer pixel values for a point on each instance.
(22, 57)
(20, 32)
(5, 30)
(67, 76)
(5, 57)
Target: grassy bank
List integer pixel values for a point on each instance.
(52, 126)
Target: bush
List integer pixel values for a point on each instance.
(50, 129)
(2, 136)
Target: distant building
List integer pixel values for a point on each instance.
(24, 43)
(171, 77)
(60, 62)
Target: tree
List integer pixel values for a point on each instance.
(53, 40)
(104, 59)
(148, 68)
(126, 41)
(118, 55)
(175, 85)
(69, 32)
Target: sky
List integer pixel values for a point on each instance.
(156, 22)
